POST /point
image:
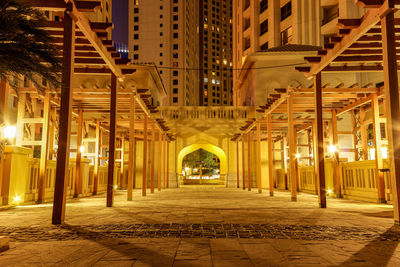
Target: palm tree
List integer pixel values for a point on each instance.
(26, 50)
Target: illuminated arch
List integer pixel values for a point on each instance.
(208, 147)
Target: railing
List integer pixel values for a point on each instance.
(190, 113)
(358, 180)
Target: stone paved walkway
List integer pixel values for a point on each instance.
(206, 226)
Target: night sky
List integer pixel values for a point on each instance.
(120, 18)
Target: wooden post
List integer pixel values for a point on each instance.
(319, 157)
(259, 157)
(52, 128)
(237, 165)
(292, 150)
(270, 156)
(243, 165)
(111, 146)
(164, 155)
(132, 147)
(4, 91)
(44, 150)
(159, 161)
(335, 142)
(392, 103)
(167, 164)
(152, 163)
(364, 137)
(62, 168)
(144, 180)
(121, 175)
(96, 160)
(78, 172)
(285, 157)
(380, 181)
(249, 161)
(354, 131)
(20, 119)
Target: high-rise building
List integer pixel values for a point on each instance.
(262, 24)
(215, 52)
(166, 33)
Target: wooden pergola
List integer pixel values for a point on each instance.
(85, 49)
(368, 44)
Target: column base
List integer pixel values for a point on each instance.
(382, 201)
(294, 199)
(322, 205)
(396, 222)
(271, 194)
(338, 195)
(129, 199)
(39, 201)
(249, 189)
(259, 191)
(244, 188)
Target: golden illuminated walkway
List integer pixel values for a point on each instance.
(201, 226)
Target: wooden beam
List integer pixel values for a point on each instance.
(392, 105)
(270, 156)
(44, 150)
(132, 148)
(62, 169)
(144, 178)
(78, 169)
(243, 164)
(292, 151)
(319, 157)
(152, 156)
(96, 159)
(112, 138)
(258, 171)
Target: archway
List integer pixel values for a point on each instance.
(218, 152)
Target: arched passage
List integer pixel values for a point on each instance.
(208, 147)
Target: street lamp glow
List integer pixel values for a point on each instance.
(9, 132)
(332, 149)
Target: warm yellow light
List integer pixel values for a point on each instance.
(384, 152)
(195, 169)
(115, 186)
(9, 132)
(82, 149)
(332, 149)
(17, 199)
(298, 156)
(187, 169)
(329, 191)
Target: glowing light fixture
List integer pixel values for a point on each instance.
(384, 152)
(298, 156)
(17, 199)
(329, 191)
(82, 149)
(115, 186)
(332, 149)
(9, 132)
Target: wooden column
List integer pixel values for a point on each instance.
(152, 163)
(354, 132)
(380, 181)
(78, 172)
(4, 94)
(132, 147)
(144, 180)
(319, 157)
(392, 103)
(52, 129)
(164, 155)
(237, 165)
(243, 165)
(364, 137)
(159, 161)
(111, 147)
(20, 119)
(121, 175)
(270, 156)
(167, 164)
(335, 142)
(314, 147)
(284, 159)
(249, 161)
(259, 185)
(44, 150)
(96, 160)
(292, 150)
(62, 168)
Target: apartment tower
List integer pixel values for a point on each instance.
(166, 32)
(215, 52)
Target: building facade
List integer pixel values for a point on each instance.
(166, 33)
(262, 24)
(215, 52)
